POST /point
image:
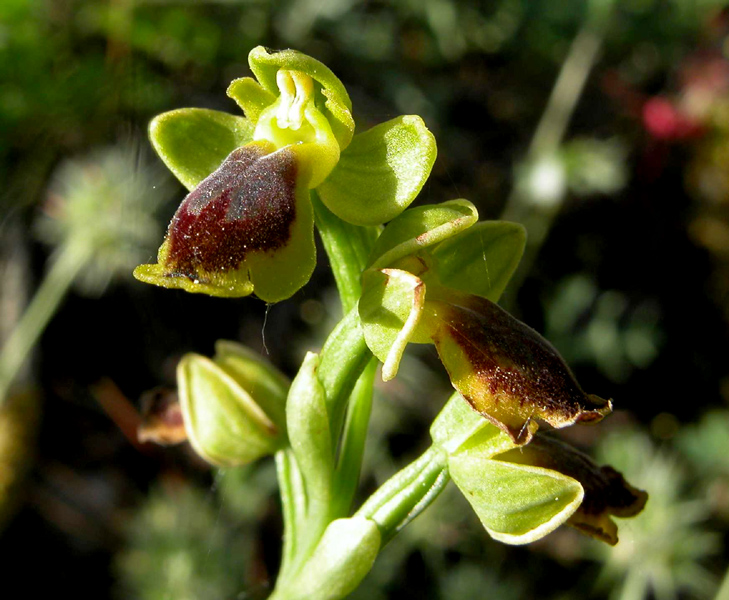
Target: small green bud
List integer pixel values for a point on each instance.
(225, 423)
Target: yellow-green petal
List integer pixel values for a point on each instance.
(381, 172)
(250, 96)
(481, 259)
(419, 228)
(390, 308)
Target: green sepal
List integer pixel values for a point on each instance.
(257, 376)
(193, 142)
(420, 227)
(342, 558)
(334, 101)
(381, 172)
(517, 504)
(390, 308)
(250, 96)
(607, 494)
(481, 259)
(224, 423)
(308, 427)
(456, 424)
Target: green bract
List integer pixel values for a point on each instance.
(247, 225)
(433, 278)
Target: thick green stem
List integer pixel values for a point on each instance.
(407, 493)
(343, 372)
(46, 300)
(343, 359)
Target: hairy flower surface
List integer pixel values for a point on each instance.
(247, 225)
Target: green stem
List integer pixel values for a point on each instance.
(407, 493)
(343, 372)
(293, 505)
(44, 304)
(348, 248)
(343, 359)
(349, 465)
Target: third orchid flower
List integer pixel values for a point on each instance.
(434, 275)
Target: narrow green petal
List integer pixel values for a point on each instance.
(419, 228)
(517, 504)
(390, 308)
(481, 259)
(381, 172)
(334, 101)
(250, 96)
(193, 142)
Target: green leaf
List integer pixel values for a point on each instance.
(419, 228)
(308, 427)
(481, 259)
(193, 142)
(390, 308)
(334, 101)
(250, 96)
(224, 424)
(381, 172)
(340, 561)
(517, 504)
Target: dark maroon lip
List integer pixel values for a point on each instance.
(247, 205)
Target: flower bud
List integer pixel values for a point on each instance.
(232, 407)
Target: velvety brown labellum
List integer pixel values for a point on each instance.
(506, 370)
(162, 421)
(246, 205)
(606, 491)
